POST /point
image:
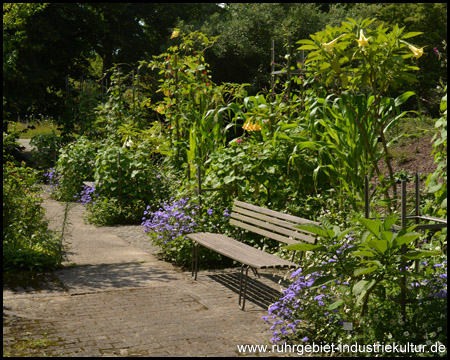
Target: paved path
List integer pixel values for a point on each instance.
(115, 298)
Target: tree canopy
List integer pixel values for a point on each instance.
(45, 42)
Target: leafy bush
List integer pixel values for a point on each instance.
(366, 279)
(265, 173)
(10, 145)
(74, 166)
(436, 182)
(45, 150)
(28, 244)
(126, 182)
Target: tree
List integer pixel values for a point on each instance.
(41, 46)
(43, 43)
(246, 31)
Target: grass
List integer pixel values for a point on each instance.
(30, 345)
(410, 129)
(42, 128)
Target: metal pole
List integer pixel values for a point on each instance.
(272, 77)
(366, 197)
(403, 250)
(199, 179)
(417, 214)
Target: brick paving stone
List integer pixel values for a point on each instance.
(144, 307)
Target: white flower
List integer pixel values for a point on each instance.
(128, 143)
(416, 51)
(363, 41)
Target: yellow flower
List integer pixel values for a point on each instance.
(328, 47)
(175, 34)
(160, 109)
(417, 52)
(249, 126)
(363, 41)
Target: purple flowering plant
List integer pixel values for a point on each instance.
(357, 276)
(87, 195)
(168, 226)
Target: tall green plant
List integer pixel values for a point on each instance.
(346, 156)
(192, 103)
(436, 182)
(359, 66)
(121, 109)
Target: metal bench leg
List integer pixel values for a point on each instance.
(194, 260)
(256, 272)
(242, 293)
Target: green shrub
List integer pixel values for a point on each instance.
(75, 165)
(365, 277)
(126, 182)
(28, 244)
(45, 151)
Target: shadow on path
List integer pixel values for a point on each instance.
(117, 276)
(258, 293)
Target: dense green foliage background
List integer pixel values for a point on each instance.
(43, 43)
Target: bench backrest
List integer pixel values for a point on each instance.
(269, 223)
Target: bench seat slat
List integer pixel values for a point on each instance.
(270, 226)
(240, 252)
(263, 232)
(273, 213)
(283, 223)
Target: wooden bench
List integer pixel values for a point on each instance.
(262, 221)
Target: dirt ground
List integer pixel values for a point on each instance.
(414, 157)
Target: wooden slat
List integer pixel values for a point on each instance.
(273, 213)
(263, 232)
(283, 223)
(272, 227)
(262, 221)
(240, 252)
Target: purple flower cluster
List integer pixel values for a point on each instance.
(52, 179)
(302, 296)
(289, 304)
(86, 196)
(436, 286)
(171, 221)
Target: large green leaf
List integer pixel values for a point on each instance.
(411, 34)
(361, 288)
(379, 245)
(366, 270)
(403, 97)
(419, 254)
(405, 239)
(308, 47)
(389, 221)
(323, 280)
(366, 253)
(316, 229)
(372, 225)
(335, 305)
